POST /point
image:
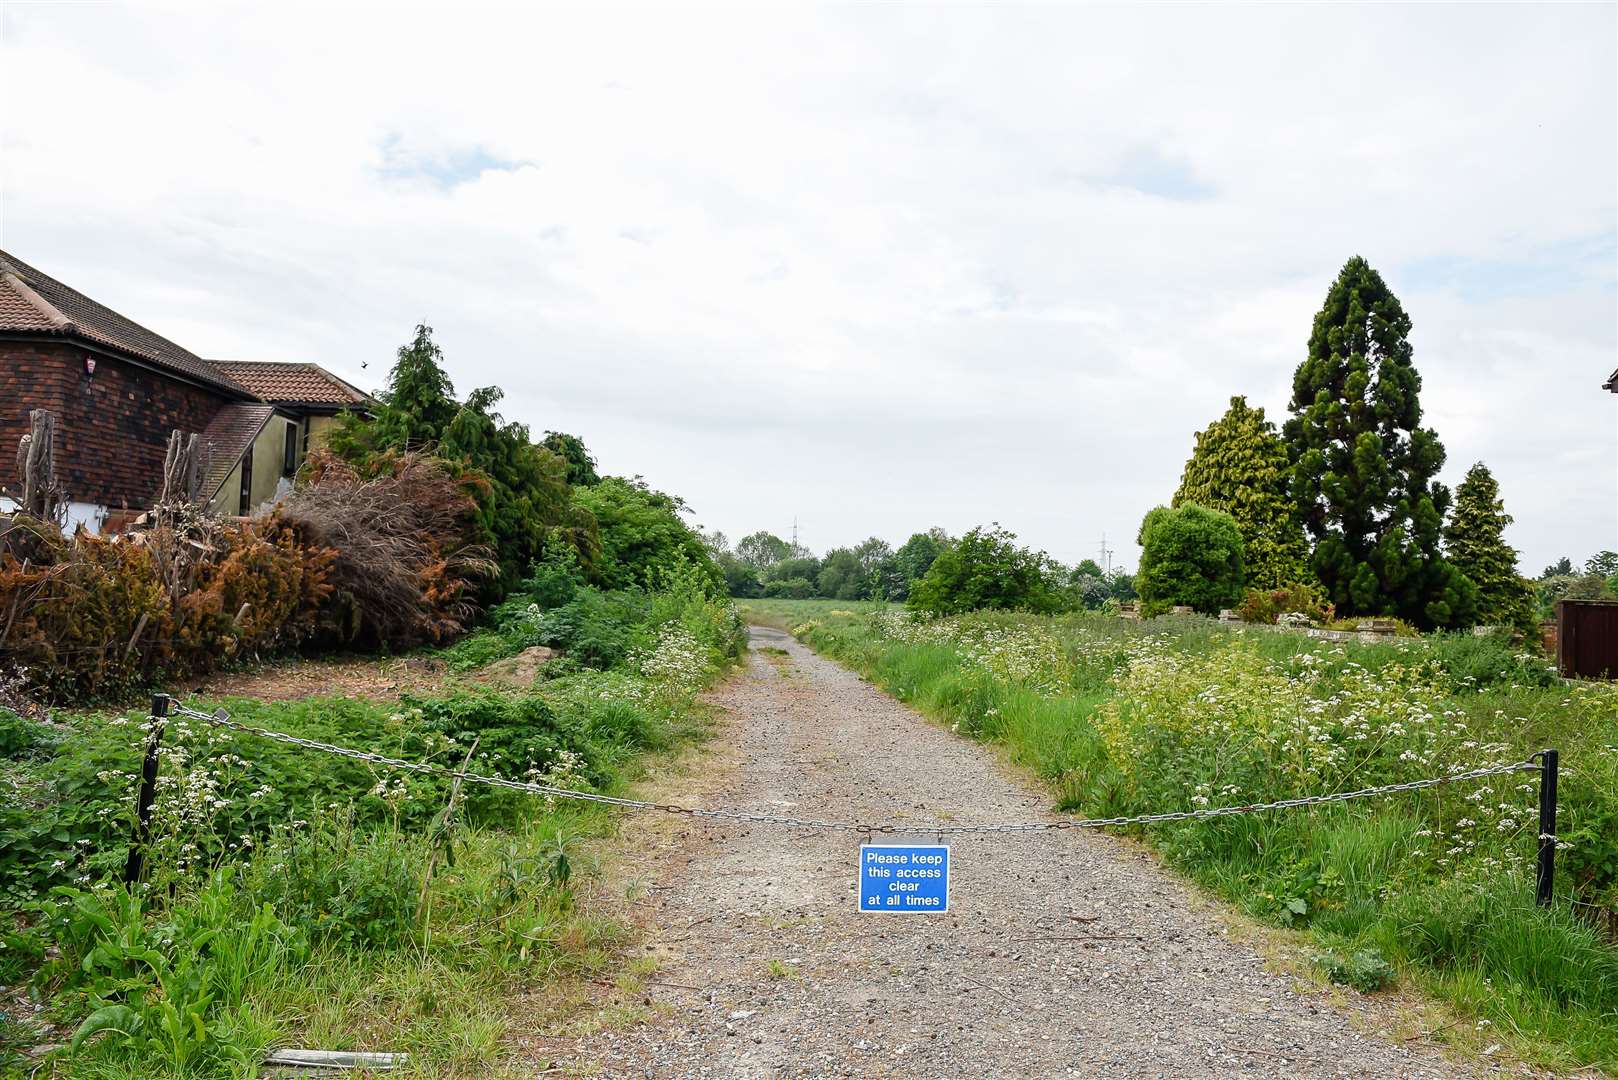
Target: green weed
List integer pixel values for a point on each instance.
(293, 894)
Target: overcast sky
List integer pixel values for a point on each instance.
(875, 269)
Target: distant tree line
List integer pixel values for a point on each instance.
(931, 571)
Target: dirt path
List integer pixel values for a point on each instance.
(1063, 954)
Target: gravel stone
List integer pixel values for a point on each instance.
(1063, 953)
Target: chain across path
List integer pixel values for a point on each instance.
(222, 719)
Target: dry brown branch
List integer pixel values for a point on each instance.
(405, 550)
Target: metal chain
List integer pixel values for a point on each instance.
(222, 719)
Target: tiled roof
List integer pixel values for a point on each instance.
(34, 302)
(228, 435)
(293, 384)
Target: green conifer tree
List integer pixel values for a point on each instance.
(581, 467)
(1240, 466)
(420, 400)
(1475, 543)
(1363, 467)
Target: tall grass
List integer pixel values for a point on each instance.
(1434, 887)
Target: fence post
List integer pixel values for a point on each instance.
(147, 792)
(1547, 827)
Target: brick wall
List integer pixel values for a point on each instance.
(32, 376)
(112, 428)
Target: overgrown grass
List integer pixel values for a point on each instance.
(785, 614)
(1433, 887)
(304, 899)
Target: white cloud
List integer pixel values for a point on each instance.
(878, 268)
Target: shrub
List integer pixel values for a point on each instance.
(797, 588)
(597, 629)
(403, 537)
(642, 535)
(385, 559)
(1189, 555)
(264, 594)
(741, 580)
(552, 581)
(107, 614)
(1267, 605)
(684, 597)
(986, 569)
(1240, 466)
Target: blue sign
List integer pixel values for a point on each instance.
(908, 879)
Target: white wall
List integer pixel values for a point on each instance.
(91, 515)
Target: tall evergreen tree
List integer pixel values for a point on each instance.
(1362, 466)
(1474, 541)
(1240, 466)
(419, 402)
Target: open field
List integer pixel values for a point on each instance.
(1431, 889)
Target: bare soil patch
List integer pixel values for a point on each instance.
(516, 672)
(367, 677)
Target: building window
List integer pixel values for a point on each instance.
(289, 450)
(245, 502)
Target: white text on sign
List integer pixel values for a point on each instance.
(904, 878)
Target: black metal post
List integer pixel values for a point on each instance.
(1547, 827)
(148, 791)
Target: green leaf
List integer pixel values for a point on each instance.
(116, 1018)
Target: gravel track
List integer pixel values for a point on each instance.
(1063, 954)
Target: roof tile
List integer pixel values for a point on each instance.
(35, 302)
(293, 384)
(228, 435)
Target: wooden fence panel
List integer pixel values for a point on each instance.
(1587, 639)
